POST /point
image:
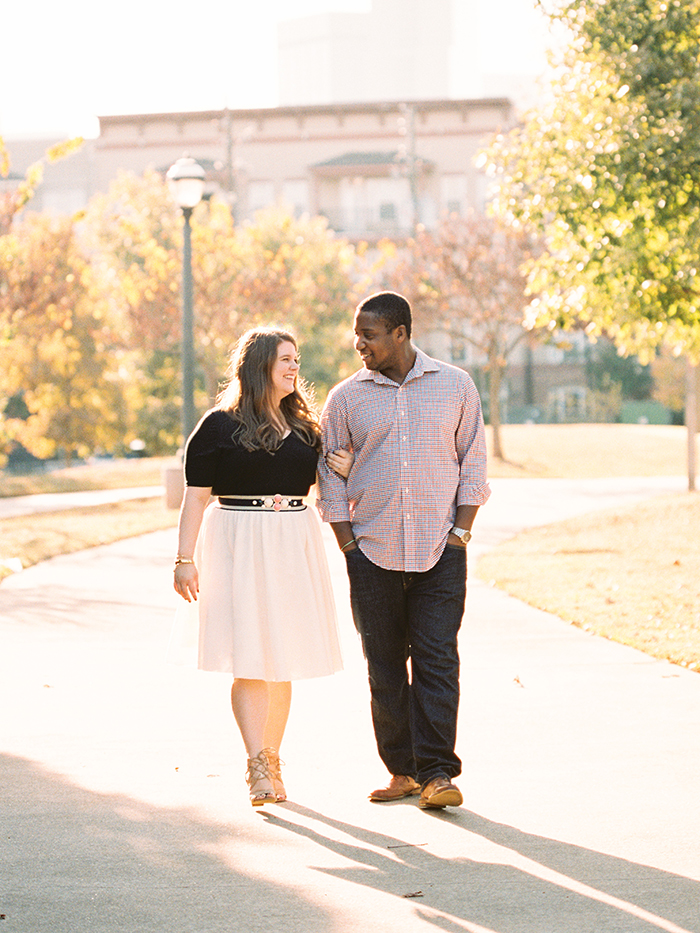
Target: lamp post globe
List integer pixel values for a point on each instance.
(186, 182)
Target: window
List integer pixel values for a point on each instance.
(453, 193)
(295, 195)
(260, 194)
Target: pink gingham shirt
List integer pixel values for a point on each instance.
(419, 452)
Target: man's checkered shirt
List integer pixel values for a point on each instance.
(419, 452)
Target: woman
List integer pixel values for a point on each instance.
(254, 559)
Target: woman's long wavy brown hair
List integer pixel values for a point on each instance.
(247, 395)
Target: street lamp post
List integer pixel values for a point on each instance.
(186, 182)
(691, 421)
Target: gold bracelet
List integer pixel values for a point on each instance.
(183, 560)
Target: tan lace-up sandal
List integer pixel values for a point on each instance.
(274, 765)
(259, 781)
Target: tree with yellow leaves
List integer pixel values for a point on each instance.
(57, 346)
(275, 270)
(12, 200)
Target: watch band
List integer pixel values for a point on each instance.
(463, 534)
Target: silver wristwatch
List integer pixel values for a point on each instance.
(462, 533)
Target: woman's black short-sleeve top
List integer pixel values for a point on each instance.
(213, 457)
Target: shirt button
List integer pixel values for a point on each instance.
(405, 464)
(407, 490)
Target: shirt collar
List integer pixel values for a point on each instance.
(422, 364)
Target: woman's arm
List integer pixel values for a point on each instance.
(194, 503)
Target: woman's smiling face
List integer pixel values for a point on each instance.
(283, 375)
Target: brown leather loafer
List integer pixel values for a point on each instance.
(399, 786)
(440, 793)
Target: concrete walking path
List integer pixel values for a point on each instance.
(11, 506)
(123, 806)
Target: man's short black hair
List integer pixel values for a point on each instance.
(391, 307)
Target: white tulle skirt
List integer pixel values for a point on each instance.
(265, 609)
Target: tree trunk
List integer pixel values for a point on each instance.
(691, 421)
(495, 373)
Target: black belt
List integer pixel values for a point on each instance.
(274, 503)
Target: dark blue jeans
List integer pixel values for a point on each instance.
(401, 616)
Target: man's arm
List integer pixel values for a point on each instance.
(465, 516)
(344, 535)
(464, 519)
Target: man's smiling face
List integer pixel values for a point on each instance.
(379, 349)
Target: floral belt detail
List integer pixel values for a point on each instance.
(276, 503)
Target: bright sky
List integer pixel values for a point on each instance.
(63, 63)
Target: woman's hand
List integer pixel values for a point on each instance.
(340, 461)
(194, 503)
(186, 581)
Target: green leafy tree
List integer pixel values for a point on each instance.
(607, 168)
(607, 368)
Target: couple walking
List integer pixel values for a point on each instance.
(400, 459)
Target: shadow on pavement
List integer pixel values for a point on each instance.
(527, 884)
(64, 606)
(74, 860)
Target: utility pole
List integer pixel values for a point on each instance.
(407, 128)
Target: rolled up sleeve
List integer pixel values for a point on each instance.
(470, 443)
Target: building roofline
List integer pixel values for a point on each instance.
(315, 109)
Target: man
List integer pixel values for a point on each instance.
(403, 520)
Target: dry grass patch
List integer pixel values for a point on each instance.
(590, 450)
(33, 538)
(106, 474)
(631, 575)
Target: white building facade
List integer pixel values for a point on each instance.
(373, 168)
